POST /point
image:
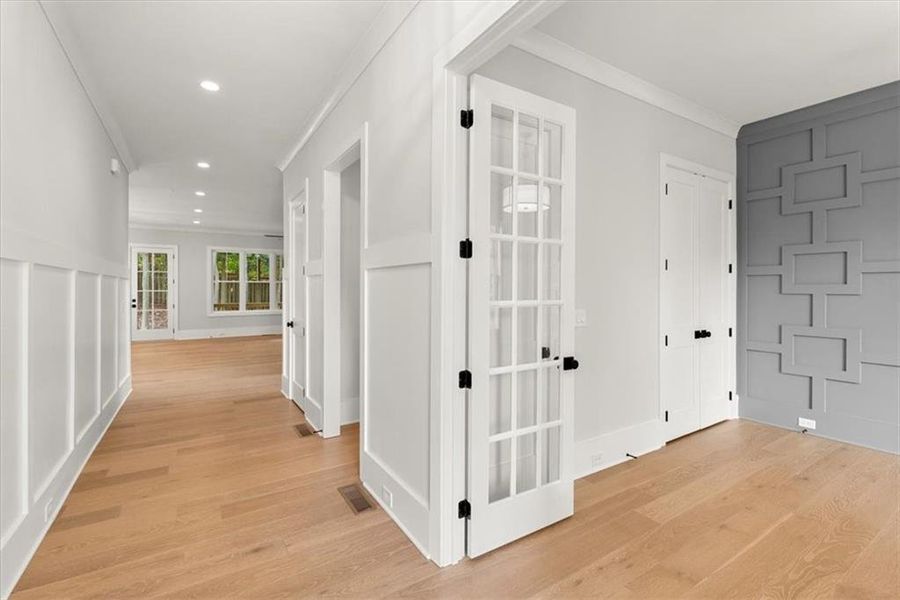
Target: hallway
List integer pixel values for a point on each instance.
(202, 488)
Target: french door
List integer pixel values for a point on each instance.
(696, 299)
(521, 314)
(153, 284)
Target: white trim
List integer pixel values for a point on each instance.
(350, 410)
(59, 23)
(244, 232)
(611, 447)
(386, 23)
(199, 334)
(173, 290)
(553, 50)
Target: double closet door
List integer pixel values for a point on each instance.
(697, 298)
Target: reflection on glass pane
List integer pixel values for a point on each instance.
(501, 336)
(527, 334)
(552, 211)
(501, 136)
(257, 295)
(550, 287)
(550, 459)
(143, 300)
(528, 271)
(550, 395)
(140, 320)
(501, 203)
(501, 270)
(160, 319)
(552, 140)
(526, 406)
(498, 470)
(550, 333)
(142, 261)
(526, 462)
(501, 390)
(226, 296)
(161, 262)
(160, 300)
(527, 207)
(160, 281)
(528, 144)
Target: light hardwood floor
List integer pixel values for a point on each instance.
(203, 489)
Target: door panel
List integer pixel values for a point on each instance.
(153, 302)
(678, 319)
(521, 321)
(297, 333)
(713, 299)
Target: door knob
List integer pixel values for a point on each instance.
(702, 333)
(569, 363)
(134, 303)
(289, 324)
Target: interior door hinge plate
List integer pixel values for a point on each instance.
(464, 510)
(465, 248)
(466, 118)
(465, 380)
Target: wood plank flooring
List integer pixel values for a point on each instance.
(202, 488)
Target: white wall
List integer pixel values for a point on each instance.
(65, 366)
(350, 293)
(193, 281)
(619, 140)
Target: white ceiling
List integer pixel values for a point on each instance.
(275, 61)
(743, 60)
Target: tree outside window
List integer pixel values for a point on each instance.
(246, 280)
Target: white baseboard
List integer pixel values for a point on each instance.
(285, 387)
(349, 410)
(199, 334)
(24, 541)
(604, 451)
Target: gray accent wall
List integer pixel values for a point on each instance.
(819, 268)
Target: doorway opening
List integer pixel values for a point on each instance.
(154, 283)
(350, 192)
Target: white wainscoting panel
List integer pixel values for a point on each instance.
(87, 351)
(50, 350)
(64, 347)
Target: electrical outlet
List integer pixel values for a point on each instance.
(48, 510)
(597, 460)
(387, 496)
(806, 423)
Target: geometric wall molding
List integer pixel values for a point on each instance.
(818, 205)
(821, 352)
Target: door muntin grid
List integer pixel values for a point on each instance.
(525, 305)
(152, 289)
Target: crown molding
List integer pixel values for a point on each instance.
(186, 229)
(388, 20)
(68, 41)
(553, 50)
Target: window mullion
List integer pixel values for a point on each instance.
(242, 286)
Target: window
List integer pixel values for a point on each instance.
(243, 281)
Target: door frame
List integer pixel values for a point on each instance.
(669, 160)
(173, 289)
(491, 30)
(295, 273)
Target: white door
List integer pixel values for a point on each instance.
(297, 317)
(154, 287)
(696, 300)
(521, 314)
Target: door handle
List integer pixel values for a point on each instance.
(702, 333)
(134, 303)
(569, 363)
(289, 324)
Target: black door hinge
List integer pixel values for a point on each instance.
(465, 380)
(730, 205)
(667, 341)
(570, 363)
(464, 509)
(729, 267)
(667, 416)
(667, 189)
(729, 332)
(466, 118)
(465, 248)
(729, 396)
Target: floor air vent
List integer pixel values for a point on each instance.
(304, 429)
(355, 498)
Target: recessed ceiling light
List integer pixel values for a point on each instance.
(209, 86)
(198, 210)
(203, 164)
(196, 222)
(199, 193)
